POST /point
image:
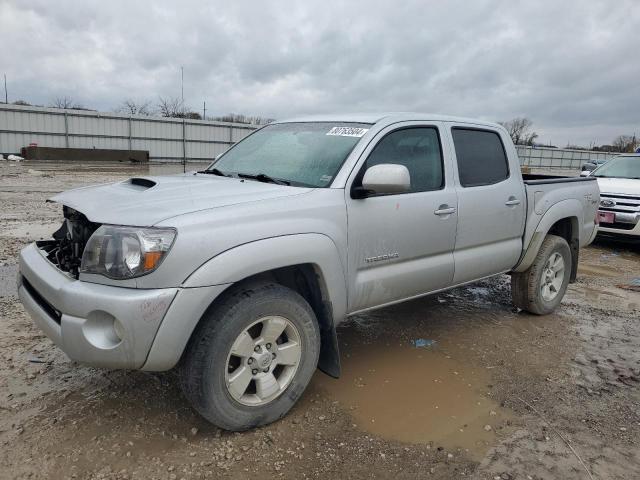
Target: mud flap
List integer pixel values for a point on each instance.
(575, 252)
(329, 361)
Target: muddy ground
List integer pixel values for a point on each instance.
(499, 395)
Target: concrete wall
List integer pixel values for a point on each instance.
(166, 139)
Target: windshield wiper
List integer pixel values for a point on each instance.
(263, 177)
(214, 171)
(611, 176)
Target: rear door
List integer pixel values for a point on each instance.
(491, 204)
(401, 245)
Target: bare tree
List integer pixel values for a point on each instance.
(520, 130)
(67, 102)
(192, 115)
(240, 118)
(171, 107)
(625, 143)
(132, 107)
(62, 102)
(174, 107)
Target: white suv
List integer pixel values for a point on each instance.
(619, 211)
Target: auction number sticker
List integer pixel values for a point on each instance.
(348, 131)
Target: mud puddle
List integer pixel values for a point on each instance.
(430, 395)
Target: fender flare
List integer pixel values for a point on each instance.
(213, 277)
(570, 208)
(244, 261)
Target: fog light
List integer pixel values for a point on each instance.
(102, 330)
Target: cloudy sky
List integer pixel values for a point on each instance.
(573, 67)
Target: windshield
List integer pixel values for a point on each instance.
(619, 167)
(303, 154)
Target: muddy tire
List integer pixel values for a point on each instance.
(540, 289)
(251, 357)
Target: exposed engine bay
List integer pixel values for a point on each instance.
(66, 248)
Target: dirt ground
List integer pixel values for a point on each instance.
(495, 394)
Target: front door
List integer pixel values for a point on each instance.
(401, 245)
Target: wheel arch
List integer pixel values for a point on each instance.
(308, 281)
(563, 220)
(307, 263)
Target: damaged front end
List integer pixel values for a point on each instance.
(69, 241)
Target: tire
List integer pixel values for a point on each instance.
(212, 377)
(528, 288)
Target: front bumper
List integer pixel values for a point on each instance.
(623, 233)
(99, 325)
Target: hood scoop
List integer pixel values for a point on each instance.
(146, 200)
(140, 183)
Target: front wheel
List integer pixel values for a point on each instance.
(540, 288)
(251, 357)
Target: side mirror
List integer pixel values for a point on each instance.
(383, 179)
(587, 168)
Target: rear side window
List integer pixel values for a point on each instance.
(481, 157)
(419, 150)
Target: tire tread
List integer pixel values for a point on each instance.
(525, 286)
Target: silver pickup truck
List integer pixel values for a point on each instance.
(238, 274)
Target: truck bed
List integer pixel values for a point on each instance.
(576, 197)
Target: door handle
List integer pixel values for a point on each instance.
(445, 210)
(512, 201)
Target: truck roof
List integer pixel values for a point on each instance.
(388, 118)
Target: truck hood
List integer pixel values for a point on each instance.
(624, 186)
(145, 201)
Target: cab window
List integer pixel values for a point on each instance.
(481, 157)
(418, 149)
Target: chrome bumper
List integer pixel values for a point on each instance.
(631, 233)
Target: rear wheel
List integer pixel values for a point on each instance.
(540, 289)
(251, 357)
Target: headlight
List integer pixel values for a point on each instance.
(126, 252)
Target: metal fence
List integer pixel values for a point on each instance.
(175, 139)
(166, 139)
(545, 157)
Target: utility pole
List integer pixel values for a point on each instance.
(6, 97)
(204, 110)
(182, 82)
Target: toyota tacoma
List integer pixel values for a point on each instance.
(237, 275)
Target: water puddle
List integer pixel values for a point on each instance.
(415, 395)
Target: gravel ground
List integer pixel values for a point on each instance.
(499, 395)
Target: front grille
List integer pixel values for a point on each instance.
(620, 203)
(625, 207)
(618, 225)
(55, 314)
